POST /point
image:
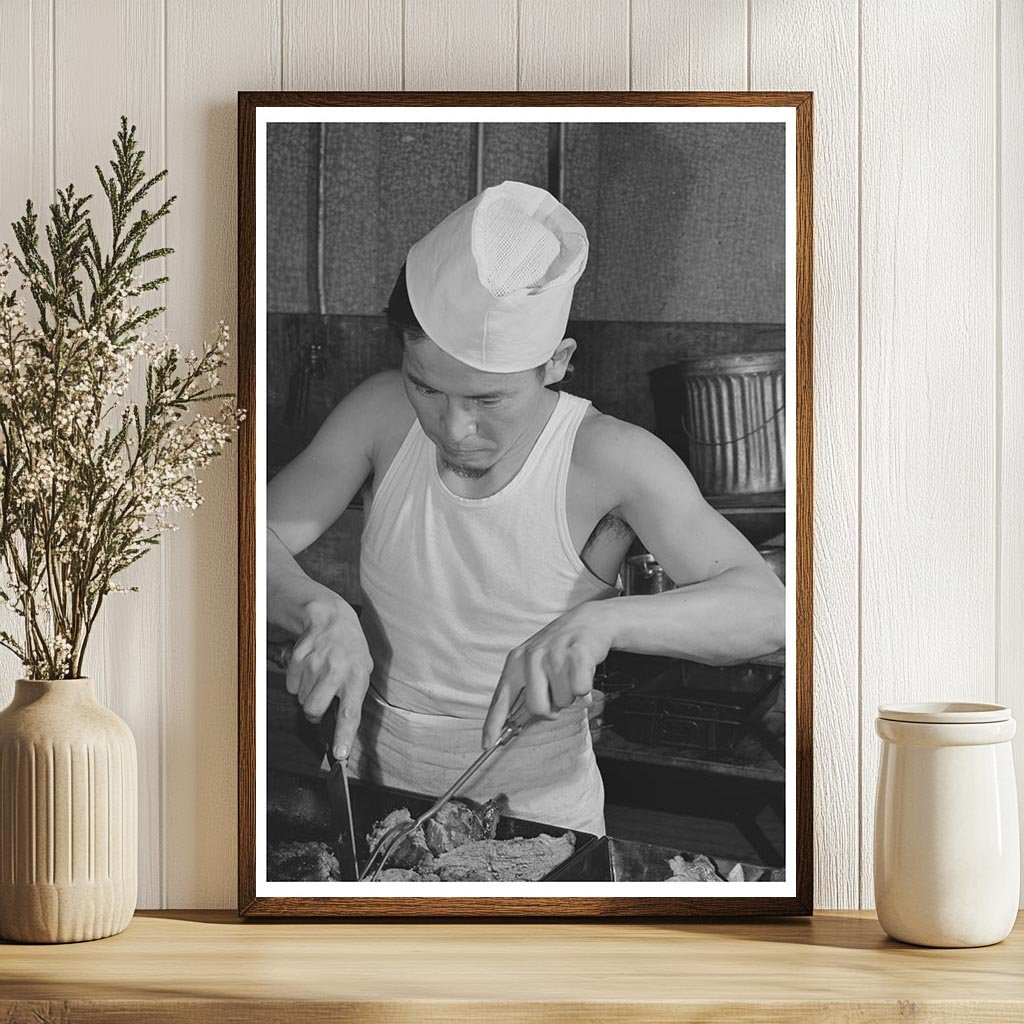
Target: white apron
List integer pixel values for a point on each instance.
(548, 772)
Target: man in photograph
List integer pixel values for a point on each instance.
(500, 513)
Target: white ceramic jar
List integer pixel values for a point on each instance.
(947, 847)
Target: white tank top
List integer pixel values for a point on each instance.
(452, 584)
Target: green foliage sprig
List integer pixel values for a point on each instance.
(89, 478)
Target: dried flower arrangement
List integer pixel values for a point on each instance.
(90, 478)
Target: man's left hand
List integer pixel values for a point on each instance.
(553, 667)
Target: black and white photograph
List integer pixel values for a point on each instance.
(525, 516)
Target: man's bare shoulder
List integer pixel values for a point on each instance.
(311, 491)
(615, 453)
(381, 393)
(378, 407)
(604, 441)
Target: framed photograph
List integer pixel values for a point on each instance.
(525, 504)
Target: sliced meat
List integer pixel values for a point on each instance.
(458, 845)
(505, 860)
(697, 869)
(406, 875)
(412, 851)
(458, 823)
(302, 862)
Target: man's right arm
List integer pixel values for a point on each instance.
(330, 656)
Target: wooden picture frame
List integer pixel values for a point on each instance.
(796, 110)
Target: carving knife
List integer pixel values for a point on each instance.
(319, 739)
(341, 811)
(338, 795)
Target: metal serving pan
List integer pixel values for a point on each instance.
(625, 860)
(298, 810)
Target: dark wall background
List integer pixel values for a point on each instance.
(686, 222)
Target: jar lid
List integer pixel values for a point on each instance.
(945, 712)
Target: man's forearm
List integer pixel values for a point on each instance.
(738, 615)
(294, 601)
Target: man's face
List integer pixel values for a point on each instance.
(475, 418)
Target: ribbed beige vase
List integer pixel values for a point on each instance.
(68, 815)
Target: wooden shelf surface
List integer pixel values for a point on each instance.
(773, 502)
(200, 966)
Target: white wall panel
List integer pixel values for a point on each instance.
(26, 104)
(917, 578)
(800, 45)
(26, 166)
(124, 656)
(213, 51)
(1010, 257)
(683, 45)
(341, 44)
(469, 45)
(574, 44)
(928, 410)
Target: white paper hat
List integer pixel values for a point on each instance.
(493, 282)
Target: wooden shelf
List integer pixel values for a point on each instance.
(771, 502)
(749, 761)
(207, 966)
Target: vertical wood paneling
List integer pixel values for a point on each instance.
(342, 44)
(1010, 679)
(26, 167)
(574, 44)
(800, 45)
(469, 45)
(941, 224)
(26, 101)
(928, 364)
(689, 44)
(122, 657)
(213, 51)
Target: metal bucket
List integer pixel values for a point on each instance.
(726, 416)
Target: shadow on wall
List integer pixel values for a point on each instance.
(202, 556)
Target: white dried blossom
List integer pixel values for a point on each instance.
(87, 481)
(103, 428)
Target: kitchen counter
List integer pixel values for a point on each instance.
(207, 966)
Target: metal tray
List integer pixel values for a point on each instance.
(624, 860)
(716, 718)
(298, 810)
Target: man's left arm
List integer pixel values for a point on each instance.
(728, 606)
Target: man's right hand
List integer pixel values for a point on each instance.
(330, 659)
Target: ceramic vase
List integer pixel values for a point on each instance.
(947, 847)
(68, 815)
